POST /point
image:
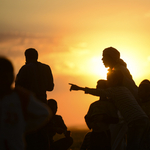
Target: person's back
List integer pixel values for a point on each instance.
(102, 109)
(126, 103)
(35, 76)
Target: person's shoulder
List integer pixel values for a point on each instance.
(43, 64)
(58, 116)
(94, 103)
(23, 67)
(27, 66)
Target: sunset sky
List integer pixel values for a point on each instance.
(70, 36)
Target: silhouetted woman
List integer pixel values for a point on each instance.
(111, 58)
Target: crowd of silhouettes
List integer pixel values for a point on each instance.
(28, 121)
(119, 120)
(132, 130)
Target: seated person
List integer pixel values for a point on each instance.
(100, 115)
(57, 125)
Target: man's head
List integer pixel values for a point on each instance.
(6, 74)
(115, 78)
(31, 55)
(53, 105)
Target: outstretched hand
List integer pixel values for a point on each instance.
(74, 87)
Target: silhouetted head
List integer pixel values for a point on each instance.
(115, 78)
(6, 74)
(144, 90)
(53, 105)
(101, 84)
(111, 57)
(31, 55)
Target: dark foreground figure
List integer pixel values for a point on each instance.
(20, 111)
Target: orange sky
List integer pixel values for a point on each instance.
(70, 36)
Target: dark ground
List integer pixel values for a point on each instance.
(77, 135)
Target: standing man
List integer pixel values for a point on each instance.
(35, 76)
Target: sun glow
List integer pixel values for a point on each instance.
(132, 65)
(97, 68)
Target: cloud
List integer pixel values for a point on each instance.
(13, 43)
(63, 55)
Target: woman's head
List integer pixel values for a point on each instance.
(111, 57)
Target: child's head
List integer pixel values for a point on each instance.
(115, 78)
(101, 84)
(53, 105)
(144, 90)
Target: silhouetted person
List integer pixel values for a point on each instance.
(35, 76)
(57, 125)
(144, 95)
(20, 111)
(136, 119)
(100, 115)
(111, 59)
